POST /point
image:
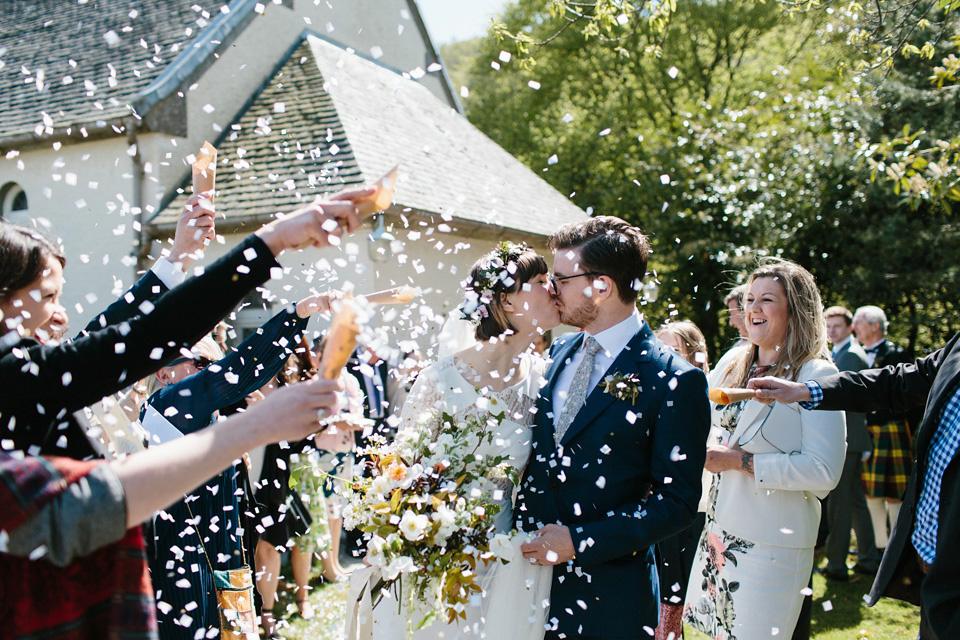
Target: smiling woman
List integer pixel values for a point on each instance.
(31, 281)
(768, 470)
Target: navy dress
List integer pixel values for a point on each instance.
(181, 576)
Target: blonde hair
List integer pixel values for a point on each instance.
(806, 334)
(691, 340)
(206, 348)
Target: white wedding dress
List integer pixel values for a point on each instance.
(516, 595)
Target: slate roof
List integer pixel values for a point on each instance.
(330, 118)
(67, 62)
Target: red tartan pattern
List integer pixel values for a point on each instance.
(106, 595)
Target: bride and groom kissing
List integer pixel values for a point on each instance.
(609, 433)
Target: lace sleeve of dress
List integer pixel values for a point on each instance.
(521, 399)
(425, 394)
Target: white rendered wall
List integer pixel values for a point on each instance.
(85, 190)
(81, 194)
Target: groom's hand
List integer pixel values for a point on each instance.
(553, 545)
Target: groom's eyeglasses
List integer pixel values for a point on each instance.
(554, 281)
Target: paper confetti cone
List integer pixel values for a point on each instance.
(205, 168)
(729, 396)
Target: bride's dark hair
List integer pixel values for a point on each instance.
(498, 273)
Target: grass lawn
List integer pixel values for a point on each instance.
(329, 602)
(839, 613)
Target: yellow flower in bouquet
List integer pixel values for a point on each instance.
(427, 513)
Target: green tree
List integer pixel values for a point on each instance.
(691, 146)
(744, 137)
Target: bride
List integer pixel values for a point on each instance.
(510, 306)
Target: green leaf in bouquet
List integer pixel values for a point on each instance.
(294, 479)
(426, 620)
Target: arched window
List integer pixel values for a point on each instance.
(12, 199)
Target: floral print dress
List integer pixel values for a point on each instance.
(739, 589)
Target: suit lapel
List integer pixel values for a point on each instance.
(748, 416)
(564, 351)
(882, 351)
(636, 351)
(545, 399)
(842, 350)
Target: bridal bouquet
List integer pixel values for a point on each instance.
(427, 511)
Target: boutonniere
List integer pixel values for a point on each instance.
(622, 386)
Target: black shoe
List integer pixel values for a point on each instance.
(863, 569)
(836, 576)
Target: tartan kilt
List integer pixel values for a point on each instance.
(887, 470)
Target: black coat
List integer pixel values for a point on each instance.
(929, 382)
(628, 477)
(357, 369)
(889, 354)
(44, 385)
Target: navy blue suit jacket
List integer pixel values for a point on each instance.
(626, 476)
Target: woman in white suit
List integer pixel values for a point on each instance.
(769, 467)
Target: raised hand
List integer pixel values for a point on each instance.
(318, 303)
(319, 224)
(294, 411)
(195, 229)
(771, 389)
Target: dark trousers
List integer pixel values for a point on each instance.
(802, 630)
(925, 633)
(846, 509)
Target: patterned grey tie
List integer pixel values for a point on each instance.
(577, 395)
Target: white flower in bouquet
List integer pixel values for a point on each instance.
(413, 526)
(375, 551)
(350, 517)
(447, 519)
(399, 476)
(501, 546)
(380, 487)
(397, 566)
(428, 510)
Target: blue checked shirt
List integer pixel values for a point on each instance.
(943, 448)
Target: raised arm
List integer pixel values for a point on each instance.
(86, 515)
(895, 388)
(253, 364)
(194, 228)
(62, 379)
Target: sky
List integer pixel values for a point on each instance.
(451, 20)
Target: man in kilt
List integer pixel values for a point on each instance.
(887, 470)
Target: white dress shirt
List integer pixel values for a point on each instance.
(612, 342)
(872, 355)
(170, 275)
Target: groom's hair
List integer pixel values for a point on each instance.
(608, 246)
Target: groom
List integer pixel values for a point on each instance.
(614, 469)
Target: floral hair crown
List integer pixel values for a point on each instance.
(498, 268)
